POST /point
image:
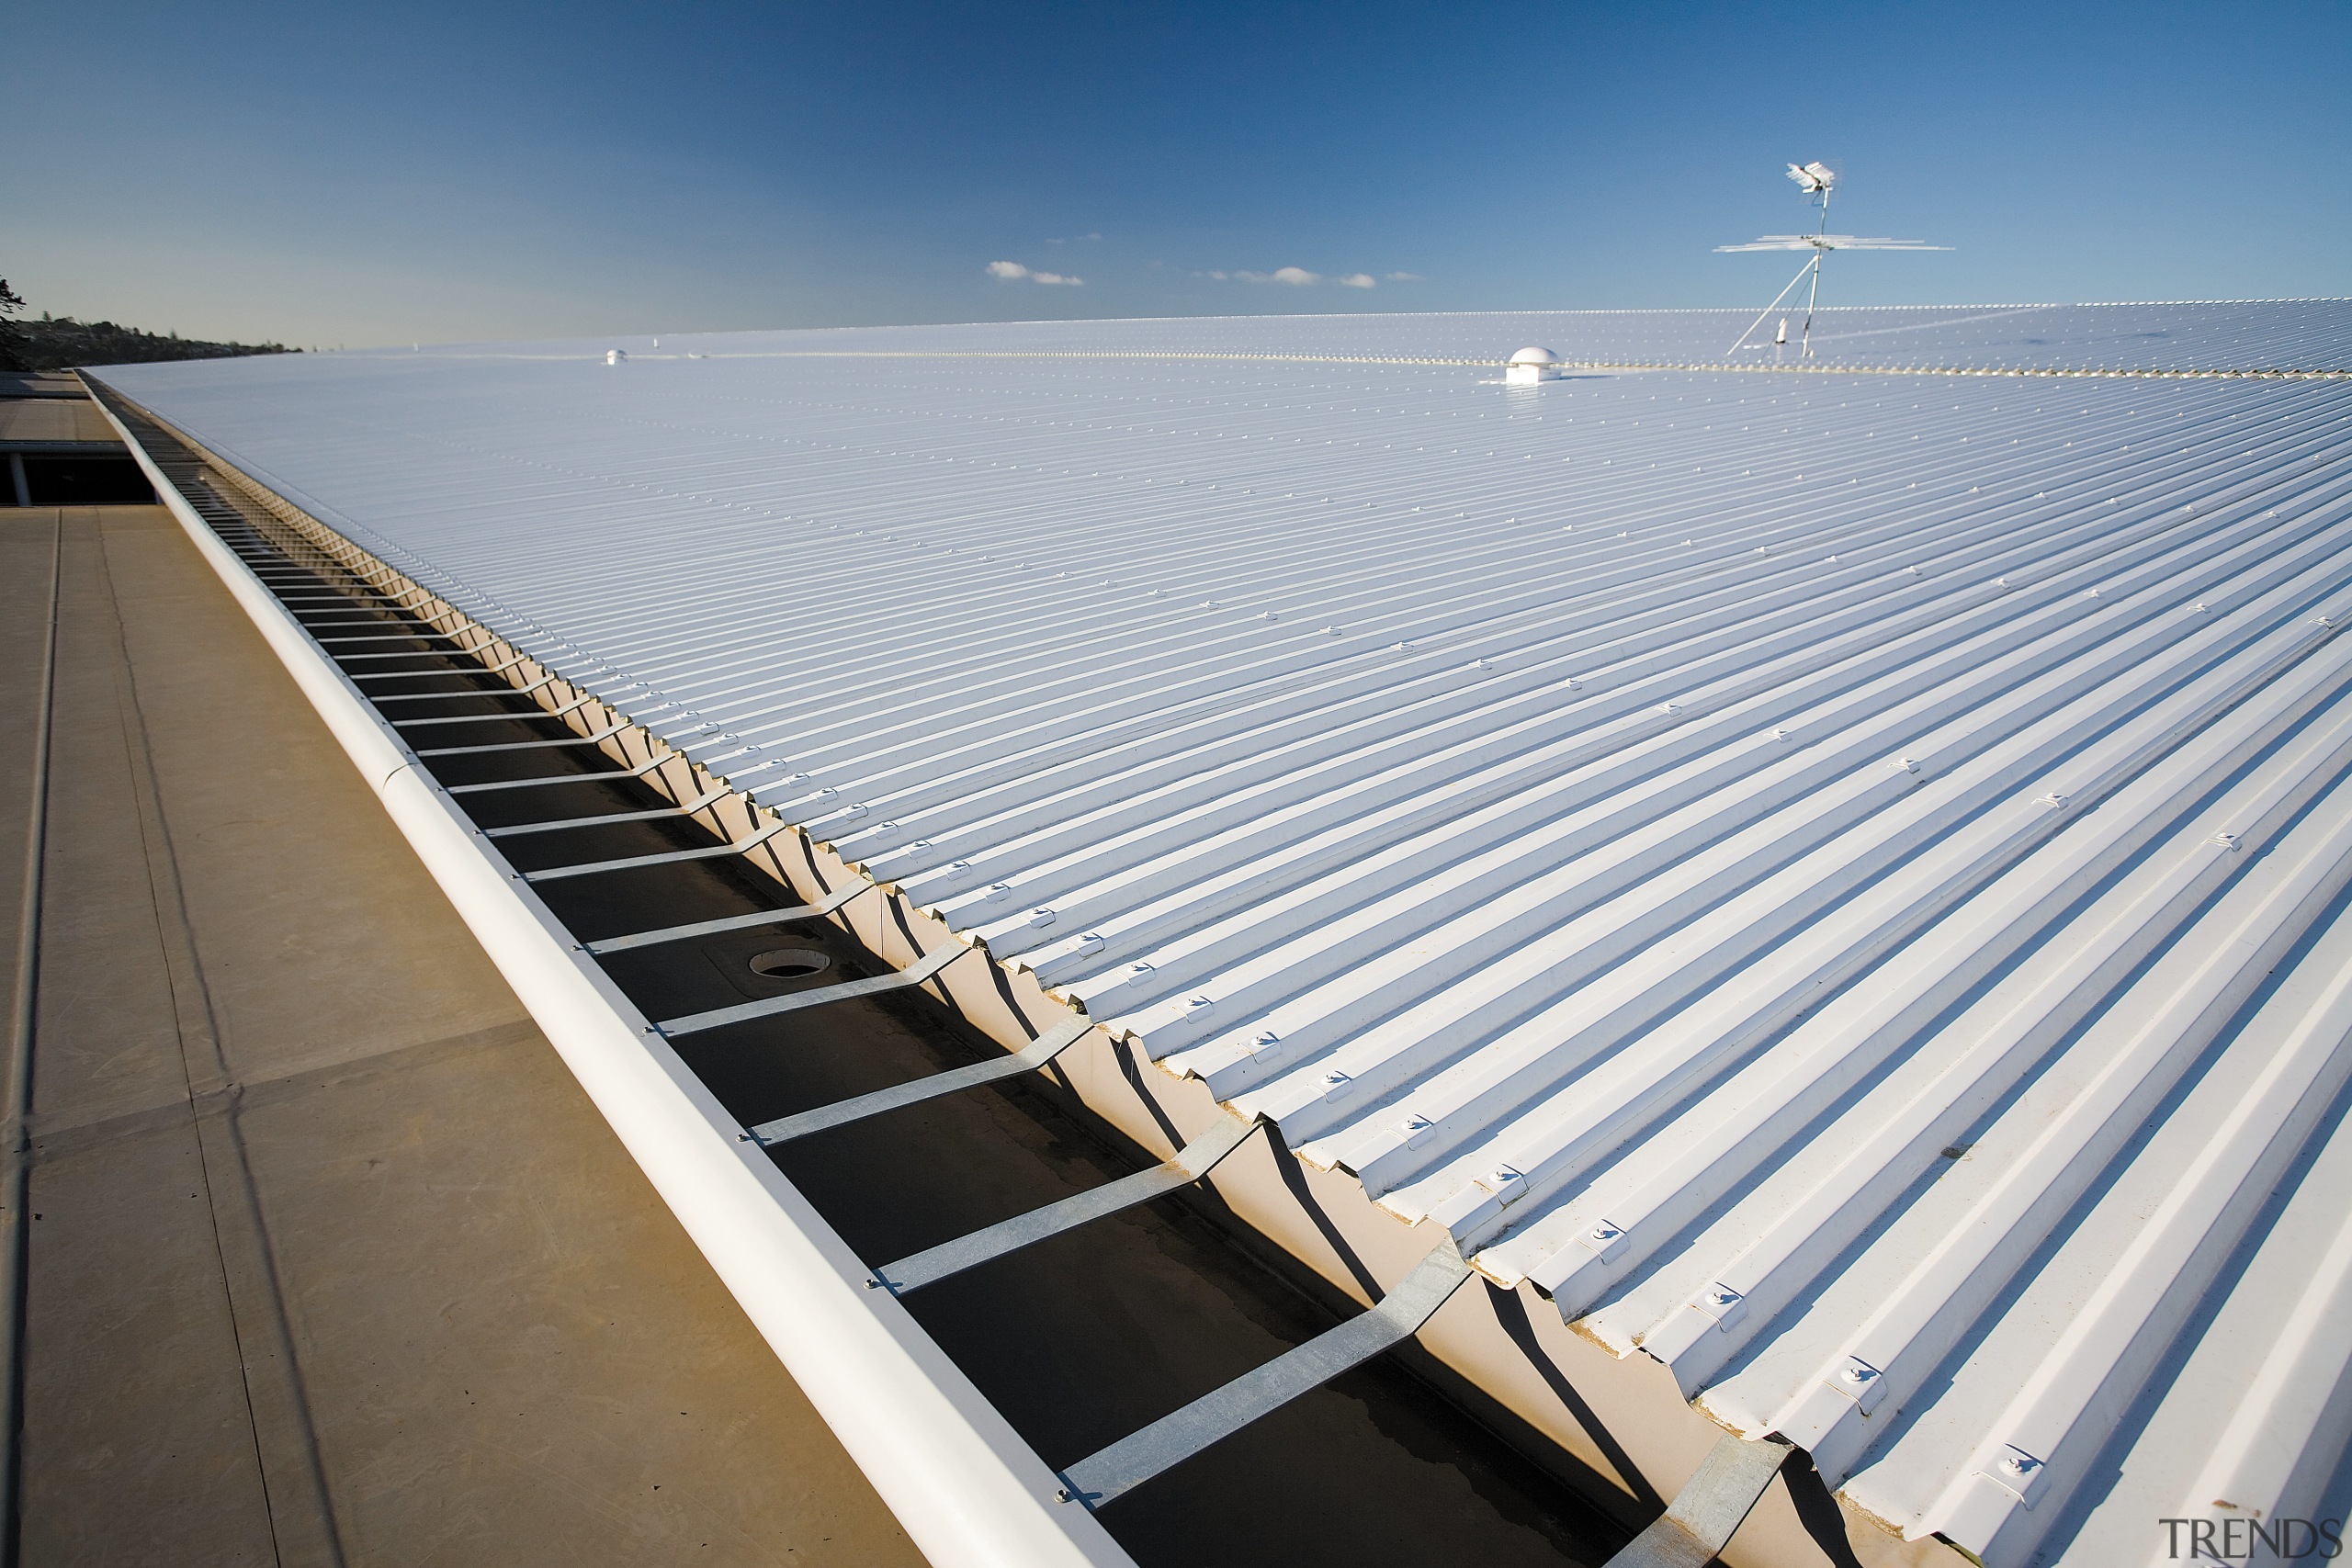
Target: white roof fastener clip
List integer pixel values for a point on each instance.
(1723, 1303)
(1604, 1238)
(1861, 1382)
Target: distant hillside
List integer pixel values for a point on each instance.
(60, 342)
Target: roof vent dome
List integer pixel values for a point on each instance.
(1530, 366)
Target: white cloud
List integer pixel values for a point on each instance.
(1404, 277)
(1296, 276)
(1013, 272)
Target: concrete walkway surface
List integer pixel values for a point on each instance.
(331, 1260)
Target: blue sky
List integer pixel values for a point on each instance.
(393, 173)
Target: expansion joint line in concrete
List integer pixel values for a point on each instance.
(16, 1243)
(291, 1469)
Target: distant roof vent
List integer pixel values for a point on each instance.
(1530, 366)
(615, 356)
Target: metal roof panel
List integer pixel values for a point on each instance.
(1838, 876)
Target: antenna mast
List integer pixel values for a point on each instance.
(1817, 180)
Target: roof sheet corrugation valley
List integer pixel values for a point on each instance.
(1839, 880)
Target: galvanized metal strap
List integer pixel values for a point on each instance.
(601, 777)
(1729, 1483)
(599, 738)
(572, 707)
(395, 636)
(1188, 1164)
(540, 685)
(671, 857)
(1177, 1437)
(841, 1112)
(476, 669)
(913, 973)
(685, 809)
(341, 658)
(824, 906)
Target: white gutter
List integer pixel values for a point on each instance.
(969, 1492)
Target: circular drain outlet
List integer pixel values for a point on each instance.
(789, 962)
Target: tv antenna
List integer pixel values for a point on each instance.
(1817, 181)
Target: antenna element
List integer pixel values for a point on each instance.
(1817, 181)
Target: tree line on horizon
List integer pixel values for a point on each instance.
(60, 343)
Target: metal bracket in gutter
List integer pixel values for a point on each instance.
(572, 707)
(539, 686)
(384, 637)
(743, 845)
(498, 668)
(727, 924)
(1030, 1058)
(1728, 1484)
(914, 974)
(1177, 1437)
(606, 818)
(604, 776)
(1188, 1164)
(970, 1493)
(597, 739)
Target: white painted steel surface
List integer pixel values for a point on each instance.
(1839, 880)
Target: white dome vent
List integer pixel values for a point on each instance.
(1530, 366)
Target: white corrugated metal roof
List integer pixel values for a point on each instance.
(1839, 879)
